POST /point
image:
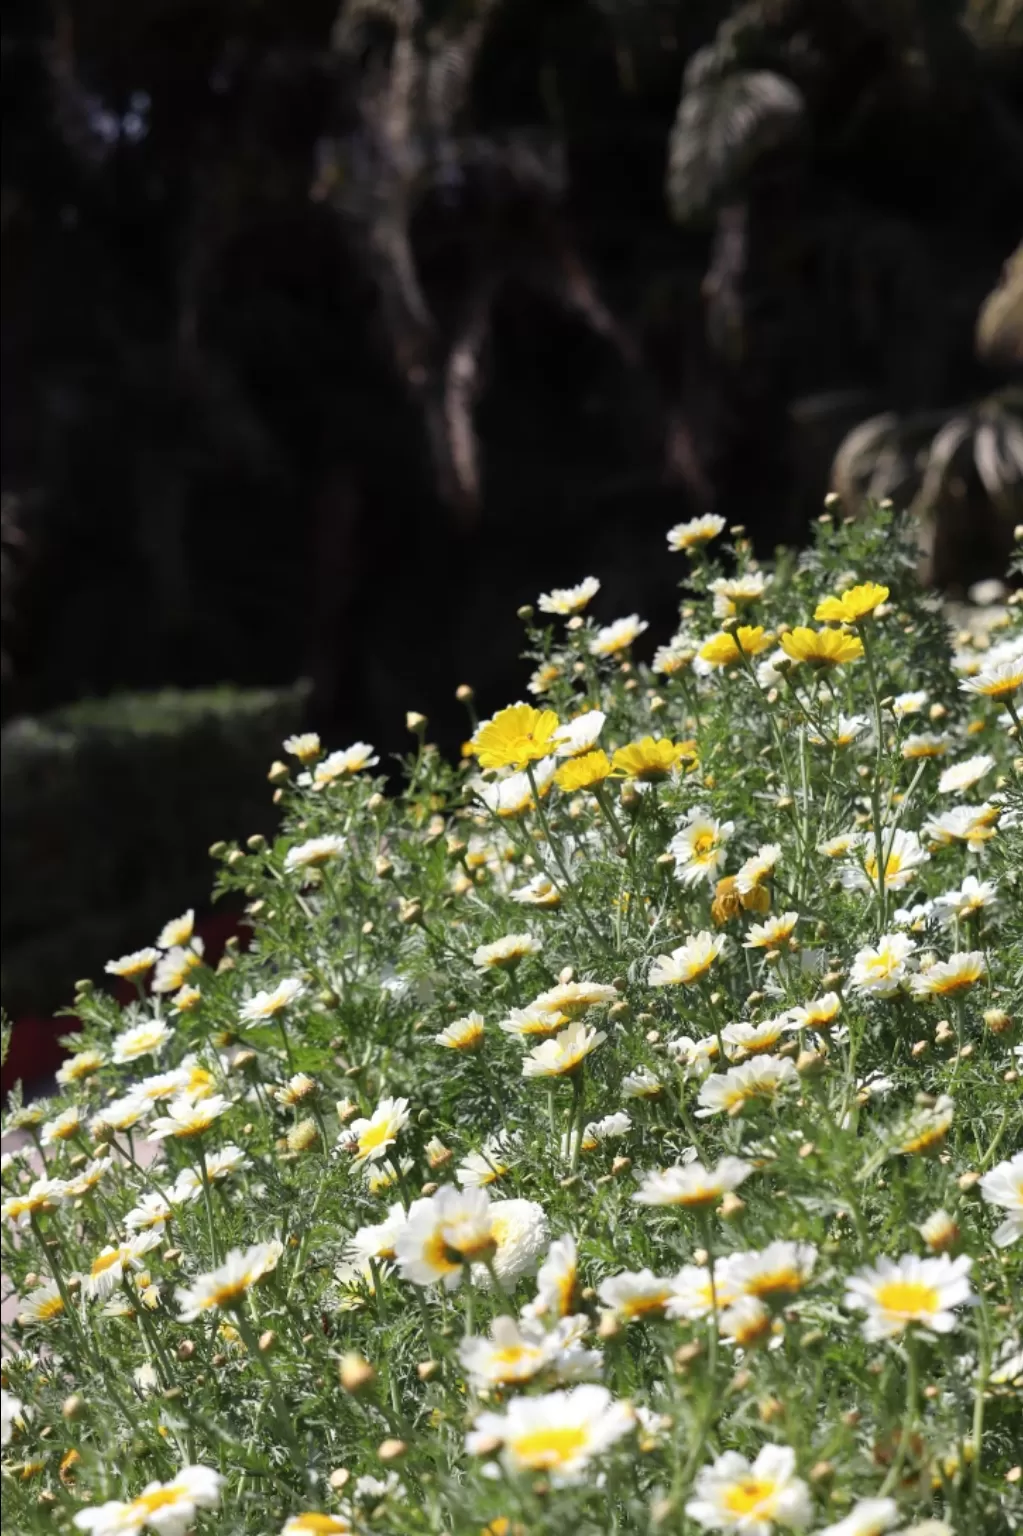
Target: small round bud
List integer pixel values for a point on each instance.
(997, 1020)
(73, 1407)
(338, 1478)
(464, 693)
(355, 1373)
(426, 1370)
(415, 722)
(391, 1450)
(525, 613)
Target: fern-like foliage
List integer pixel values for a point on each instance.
(725, 124)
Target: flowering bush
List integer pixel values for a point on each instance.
(618, 1131)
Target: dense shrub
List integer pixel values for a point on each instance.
(617, 1131)
(109, 806)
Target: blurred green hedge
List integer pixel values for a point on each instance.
(108, 809)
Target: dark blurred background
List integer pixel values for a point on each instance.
(330, 337)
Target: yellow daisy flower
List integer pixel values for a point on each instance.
(851, 605)
(650, 760)
(515, 736)
(583, 772)
(726, 648)
(821, 647)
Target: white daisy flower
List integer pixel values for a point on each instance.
(971, 897)
(371, 1138)
(462, 1034)
(506, 952)
(632, 1297)
(114, 1262)
(688, 962)
(698, 530)
(743, 1040)
(1003, 1186)
(868, 1517)
(903, 856)
(774, 1274)
(564, 1053)
(225, 1286)
(569, 600)
(909, 703)
(313, 853)
(267, 1005)
(579, 735)
(305, 746)
(759, 1080)
(130, 967)
(641, 1084)
(145, 1039)
(557, 1281)
(900, 1293)
(558, 1434)
(698, 847)
(168, 1508)
(692, 1186)
(751, 1498)
(617, 637)
(178, 932)
(964, 775)
(881, 969)
(695, 1297)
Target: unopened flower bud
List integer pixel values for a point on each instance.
(73, 1407)
(426, 1370)
(997, 1020)
(355, 1372)
(415, 722)
(391, 1450)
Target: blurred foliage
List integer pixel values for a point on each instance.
(116, 796)
(318, 313)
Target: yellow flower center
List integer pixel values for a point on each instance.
(908, 1298)
(160, 1498)
(225, 1294)
(440, 1256)
(374, 1136)
(51, 1307)
(105, 1261)
(748, 1495)
(550, 1447)
(788, 1279)
(639, 1306)
(514, 1355)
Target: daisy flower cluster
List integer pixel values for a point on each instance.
(616, 1130)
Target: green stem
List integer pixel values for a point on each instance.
(207, 1195)
(909, 1420)
(555, 848)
